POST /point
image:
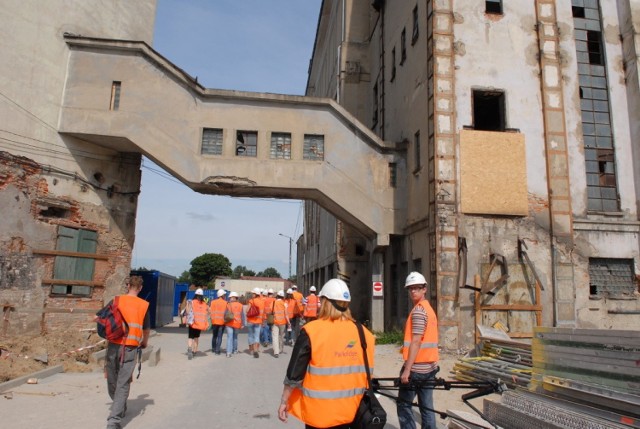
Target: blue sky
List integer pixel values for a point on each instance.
(248, 45)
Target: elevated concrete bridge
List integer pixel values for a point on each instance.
(125, 96)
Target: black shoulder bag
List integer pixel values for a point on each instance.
(370, 414)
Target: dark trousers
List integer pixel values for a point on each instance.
(216, 340)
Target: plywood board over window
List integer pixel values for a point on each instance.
(493, 173)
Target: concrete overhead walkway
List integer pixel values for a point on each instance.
(162, 111)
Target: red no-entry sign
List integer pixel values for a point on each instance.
(377, 288)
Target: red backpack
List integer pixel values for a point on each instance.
(110, 322)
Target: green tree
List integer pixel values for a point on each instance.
(185, 277)
(270, 272)
(207, 266)
(241, 270)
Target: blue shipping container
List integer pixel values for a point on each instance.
(158, 289)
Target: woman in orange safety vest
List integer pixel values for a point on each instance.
(200, 322)
(217, 308)
(326, 376)
(254, 323)
(234, 325)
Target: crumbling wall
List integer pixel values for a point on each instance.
(38, 199)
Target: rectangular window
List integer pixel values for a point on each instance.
(594, 48)
(247, 143)
(611, 277)
(313, 147)
(114, 103)
(403, 46)
(74, 269)
(374, 120)
(393, 64)
(488, 110)
(414, 35)
(602, 190)
(416, 150)
(493, 6)
(393, 174)
(280, 146)
(211, 141)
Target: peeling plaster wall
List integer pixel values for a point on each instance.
(48, 180)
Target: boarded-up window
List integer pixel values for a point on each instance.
(211, 141)
(114, 103)
(247, 143)
(493, 173)
(280, 146)
(611, 277)
(313, 147)
(74, 268)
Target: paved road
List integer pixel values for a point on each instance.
(207, 392)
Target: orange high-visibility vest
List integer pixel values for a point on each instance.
(133, 310)
(268, 306)
(236, 309)
(279, 316)
(429, 343)
(200, 311)
(258, 302)
(217, 307)
(313, 304)
(292, 308)
(336, 377)
(298, 297)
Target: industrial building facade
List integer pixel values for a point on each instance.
(491, 145)
(520, 178)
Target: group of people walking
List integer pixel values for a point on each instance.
(326, 377)
(271, 318)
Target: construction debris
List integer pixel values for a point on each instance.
(567, 378)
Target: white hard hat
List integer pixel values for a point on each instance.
(280, 293)
(415, 278)
(294, 287)
(312, 289)
(264, 291)
(233, 295)
(270, 290)
(221, 293)
(256, 290)
(199, 291)
(336, 289)
(289, 290)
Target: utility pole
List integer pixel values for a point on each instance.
(290, 246)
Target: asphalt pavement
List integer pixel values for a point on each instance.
(207, 392)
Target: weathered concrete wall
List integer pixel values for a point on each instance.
(47, 180)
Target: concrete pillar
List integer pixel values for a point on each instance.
(377, 303)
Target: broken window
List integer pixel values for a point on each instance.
(600, 166)
(416, 150)
(280, 146)
(414, 35)
(493, 6)
(393, 174)
(403, 46)
(488, 110)
(211, 141)
(75, 270)
(247, 143)
(114, 103)
(313, 147)
(393, 64)
(374, 120)
(611, 277)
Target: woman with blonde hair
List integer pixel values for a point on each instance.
(326, 377)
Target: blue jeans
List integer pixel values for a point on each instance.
(232, 340)
(265, 333)
(425, 400)
(216, 340)
(253, 331)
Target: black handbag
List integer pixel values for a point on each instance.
(370, 414)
